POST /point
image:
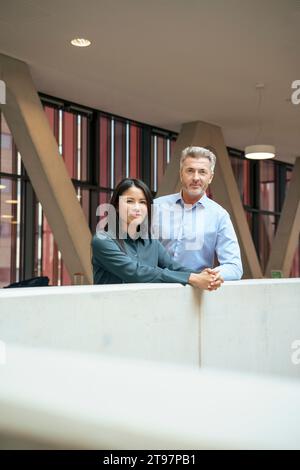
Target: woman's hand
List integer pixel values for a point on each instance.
(208, 279)
(218, 281)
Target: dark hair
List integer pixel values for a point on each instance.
(122, 186)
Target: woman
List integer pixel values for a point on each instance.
(124, 251)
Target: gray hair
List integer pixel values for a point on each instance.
(198, 152)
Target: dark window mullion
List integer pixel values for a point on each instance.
(255, 201)
(146, 155)
(93, 167)
(28, 239)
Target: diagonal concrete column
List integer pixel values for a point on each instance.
(287, 234)
(46, 169)
(224, 186)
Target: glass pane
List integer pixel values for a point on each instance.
(266, 236)
(267, 186)
(160, 155)
(104, 198)
(84, 149)
(49, 254)
(69, 143)
(10, 231)
(173, 143)
(48, 260)
(105, 152)
(241, 170)
(134, 152)
(161, 158)
(8, 151)
(120, 151)
(153, 185)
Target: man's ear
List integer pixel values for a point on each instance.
(212, 177)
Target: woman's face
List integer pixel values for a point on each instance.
(133, 206)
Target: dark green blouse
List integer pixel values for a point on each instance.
(144, 261)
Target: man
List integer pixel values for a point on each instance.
(192, 227)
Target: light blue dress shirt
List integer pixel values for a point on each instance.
(196, 235)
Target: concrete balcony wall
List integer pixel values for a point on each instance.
(251, 326)
(247, 326)
(152, 322)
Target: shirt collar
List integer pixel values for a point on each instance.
(126, 237)
(202, 201)
(135, 240)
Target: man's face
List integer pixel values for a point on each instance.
(195, 176)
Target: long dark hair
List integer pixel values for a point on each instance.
(122, 186)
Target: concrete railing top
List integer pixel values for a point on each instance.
(71, 290)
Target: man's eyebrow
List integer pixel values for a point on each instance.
(200, 169)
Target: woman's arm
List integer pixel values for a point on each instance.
(108, 255)
(201, 280)
(165, 260)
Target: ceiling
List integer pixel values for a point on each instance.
(166, 62)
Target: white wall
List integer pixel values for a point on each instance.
(246, 326)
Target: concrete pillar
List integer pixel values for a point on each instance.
(46, 169)
(224, 186)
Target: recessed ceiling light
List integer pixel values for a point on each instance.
(12, 201)
(5, 216)
(80, 42)
(2, 186)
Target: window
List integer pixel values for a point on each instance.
(262, 186)
(11, 204)
(99, 149)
